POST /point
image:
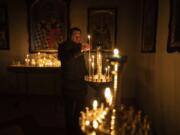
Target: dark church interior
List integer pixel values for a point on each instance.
(146, 31)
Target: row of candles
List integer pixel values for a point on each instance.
(42, 61)
(92, 66)
(112, 121)
(98, 76)
(93, 119)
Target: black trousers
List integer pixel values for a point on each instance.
(73, 104)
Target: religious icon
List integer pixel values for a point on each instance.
(102, 27)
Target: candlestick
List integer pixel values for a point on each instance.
(108, 95)
(99, 63)
(108, 70)
(106, 74)
(89, 39)
(33, 62)
(92, 65)
(89, 65)
(27, 60)
(89, 52)
(39, 54)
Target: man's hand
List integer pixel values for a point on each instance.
(85, 47)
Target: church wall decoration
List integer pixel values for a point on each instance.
(47, 22)
(102, 27)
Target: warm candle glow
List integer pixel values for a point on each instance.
(33, 62)
(93, 65)
(95, 104)
(89, 42)
(95, 124)
(103, 119)
(87, 123)
(116, 67)
(89, 37)
(89, 65)
(106, 71)
(108, 95)
(116, 52)
(93, 133)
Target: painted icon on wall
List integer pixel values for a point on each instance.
(47, 24)
(149, 26)
(102, 27)
(174, 27)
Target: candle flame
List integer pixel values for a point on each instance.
(116, 51)
(108, 95)
(89, 36)
(95, 104)
(95, 124)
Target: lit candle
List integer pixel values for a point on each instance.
(39, 54)
(99, 64)
(93, 133)
(89, 65)
(102, 107)
(27, 60)
(89, 42)
(87, 110)
(92, 65)
(115, 78)
(87, 123)
(33, 62)
(115, 84)
(95, 124)
(116, 53)
(108, 95)
(95, 104)
(108, 70)
(83, 114)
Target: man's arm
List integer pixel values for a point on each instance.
(68, 52)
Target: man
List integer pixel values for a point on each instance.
(73, 85)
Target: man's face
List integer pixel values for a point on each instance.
(76, 37)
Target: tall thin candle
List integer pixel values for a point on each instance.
(89, 42)
(92, 65)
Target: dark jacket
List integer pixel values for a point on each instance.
(73, 67)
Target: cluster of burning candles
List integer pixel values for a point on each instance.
(110, 121)
(95, 66)
(93, 120)
(106, 118)
(41, 60)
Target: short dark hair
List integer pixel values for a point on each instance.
(72, 30)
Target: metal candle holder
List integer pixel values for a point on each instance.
(95, 74)
(110, 119)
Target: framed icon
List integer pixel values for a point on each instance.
(149, 26)
(47, 24)
(174, 27)
(102, 27)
